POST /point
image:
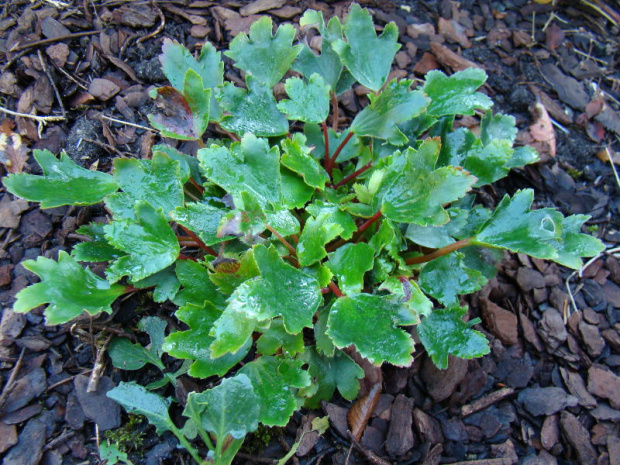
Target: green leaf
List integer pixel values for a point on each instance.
(128, 356)
(157, 181)
(250, 165)
(295, 192)
(199, 101)
(488, 163)
(165, 283)
(447, 277)
(444, 333)
(68, 288)
(148, 240)
(331, 373)
(522, 156)
(263, 55)
(324, 343)
(111, 454)
(197, 285)
(276, 337)
(97, 250)
(252, 111)
(368, 57)
(413, 191)
(315, 137)
(231, 408)
(155, 327)
(194, 343)
(275, 381)
(574, 245)
(349, 263)
(514, 227)
(456, 95)
(189, 165)
(364, 319)
(407, 292)
(202, 218)
(281, 290)
(396, 104)
(63, 183)
(309, 101)
(328, 64)
(137, 399)
(327, 224)
(500, 127)
(231, 273)
(297, 158)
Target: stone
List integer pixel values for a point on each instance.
(502, 323)
(96, 405)
(612, 293)
(11, 325)
(605, 412)
(546, 401)
(428, 427)
(10, 211)
(543, 458)
(551, 329)
(103, 89)
(403, 60)
(338, 418)
(58, 53)
(506, 451)
(613, 448)
(529, 332)
(287, 11)
(52, 29)
(440, 384)
(25, 389)
(578, 438)
(29, 448)
(604, 384)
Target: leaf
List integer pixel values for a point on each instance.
(182, 116)
(413, 191)
(447, 277)
(97, 250)
(367, 57)
(250, 166)
(148, 240)
(197, 285)
(324, 343)
(63, 183)
(194, 343)
(406, 291)
(276, 337)
(574, 245)
(349, 263)
(275, 381)
(309, 101)
(199, 101)
(328, 64)
(231, 408)
(297, 158)
(364, 319)
(155, 327)
(395, 105)
(128, 356)
(444, 333)
(202, 218)
(137, 399)
(164, 282)
(68, 288)
(281, 290)
(327, 223)
(501, 127)
(456, 95)
(514, 227)
(316, 139)
(157, 181)
(111, 454)
(331, 373)
(262, 55)
(254, 111)
(231, 273)
(360, 412)
(295, 192)
(189, 165)
(13, 153)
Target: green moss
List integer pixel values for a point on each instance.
(130, 436)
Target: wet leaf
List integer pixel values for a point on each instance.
(276, 338)
(444, 333)
(297, 158)
(164, 282)
(197, 285)
(349, 263)
(63, 183)
(202, 218)
(97, 250)
(137, 399)
(456, 95)
(182, 116)
(13, 153)
(360, 412)
(364, 319)
(316, 139)
(262, 55)
(370, 70)
(309, 101)
(68, 288)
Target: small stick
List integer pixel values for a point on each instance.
(10, 384)
(40, 119)
(51, 40)
(338, 150)
(485, 401)
(335, 289)
(199, 241)
(364, 226)
(95, 375)
(160, 28)
(127, 123)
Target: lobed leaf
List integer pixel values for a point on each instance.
(444, 333)
(148, 240)
(349, 263)
(297, 158)
(197, 285)
(175, 117)
(309, 101)
(63, 182)
(364, 319)
(202, 218)
(97, 250)
(276, 338)
(68, 288)
(456, 95)
(262, 55)
(368, 57)
(164, 282)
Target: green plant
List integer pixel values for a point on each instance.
(297, 247)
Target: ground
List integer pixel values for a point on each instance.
(549, 390)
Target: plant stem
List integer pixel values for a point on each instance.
(332, 161)
(364, 226)
(440, 252)
(286, 243)
(188, 447)
(326, 142)
(196, 185)
(335, 289)
(354, 175)
(187, 257)
(335, 112)
(199, 242)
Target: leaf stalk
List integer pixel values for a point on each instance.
(440, 252)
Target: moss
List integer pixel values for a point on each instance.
(128, 437)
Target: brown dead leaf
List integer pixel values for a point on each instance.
(360, 412)
(13, 154)
(554, 36)
(542, 131)
(10, 212)
(608, 153)
(450, 59)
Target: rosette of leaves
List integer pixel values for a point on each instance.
(296, 247)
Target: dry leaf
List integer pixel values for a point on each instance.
(359, 414)
(13, 154)
(542, 131)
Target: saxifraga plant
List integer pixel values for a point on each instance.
(293, 241)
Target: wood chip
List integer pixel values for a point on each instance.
(450, 59)
(485, 401)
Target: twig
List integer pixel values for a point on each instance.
(371, 456)
(66, 434)
(332, 161)
(127, 123)
(199, 241)
(103, 145)
(52, 40)
(335, 289)
(10, 384)
(364, 226)
(326, 143)
(95, 375)
(49, 77)
(613, 166)
(485, 401)
(40, 119)
(160, 28)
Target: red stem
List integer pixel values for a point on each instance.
(286, 243)
(196, 185)
(332, 161)
(354, 175)
(199, 242)
(187, 257)
(439, 252)
(335, 113)
(326, 139)
(364, 226)
(335, 289)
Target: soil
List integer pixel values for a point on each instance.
(548, 393)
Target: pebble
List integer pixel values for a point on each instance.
(441, 383)
(501, 322)
(26, 388)
(96, 405)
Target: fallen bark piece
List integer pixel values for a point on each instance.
(450, 59)
(486, 401)
(400, 435)
(578, 437)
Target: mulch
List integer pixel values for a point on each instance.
(549, 391)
